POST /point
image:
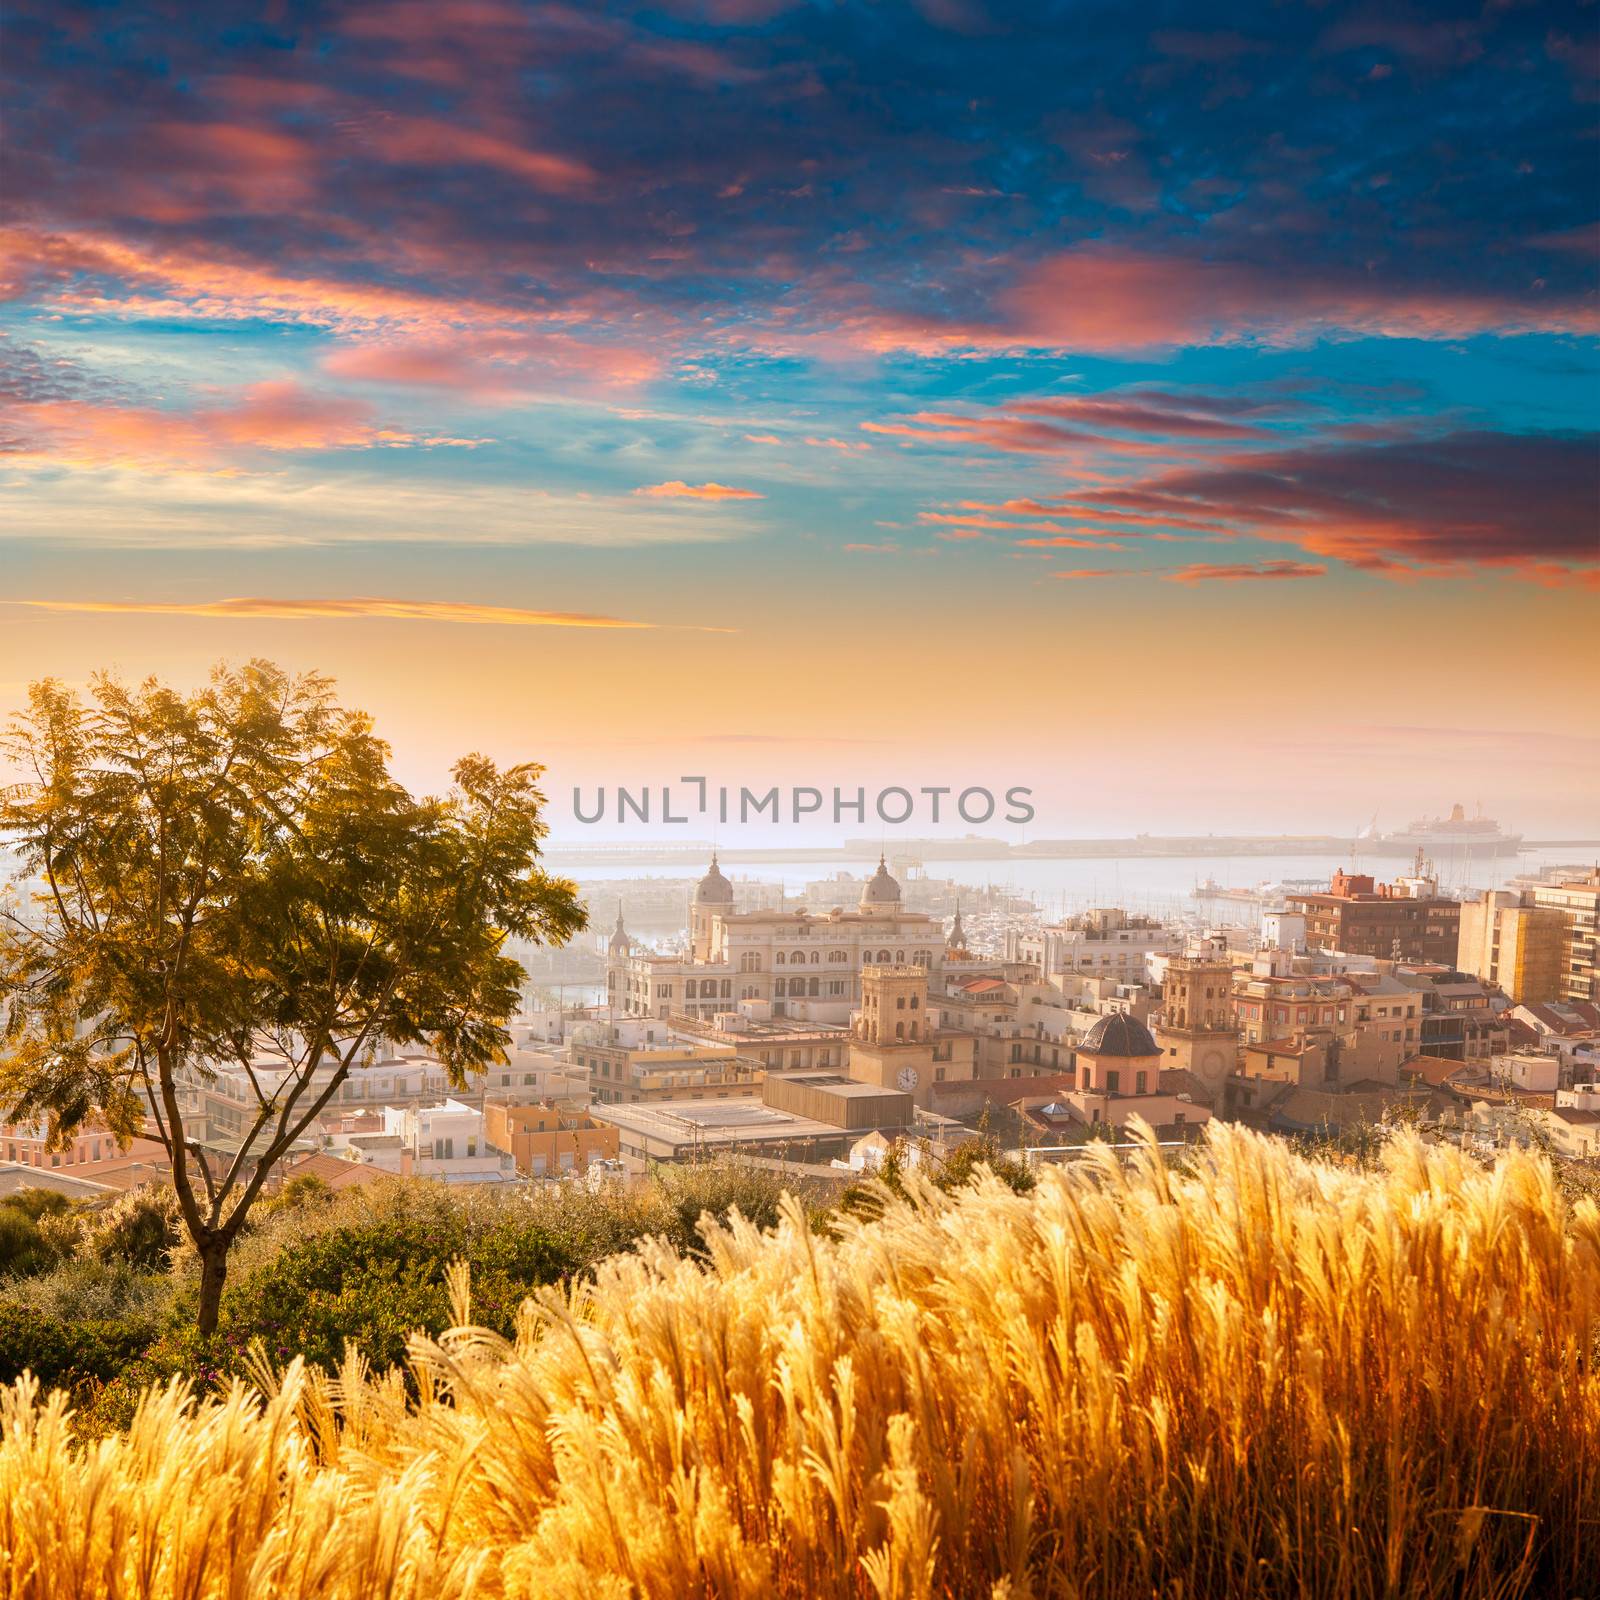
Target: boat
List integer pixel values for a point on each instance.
(1457, 835)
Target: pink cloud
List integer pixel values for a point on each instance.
(677, 489)
(274, 416)
(1107, 299)
(496, 366)
(428, 141)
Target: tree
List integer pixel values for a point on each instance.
(233, 879)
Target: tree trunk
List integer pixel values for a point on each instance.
(213, 1275)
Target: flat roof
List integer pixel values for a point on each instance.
(713, 1121)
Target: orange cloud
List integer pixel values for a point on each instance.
(762, 438)
(358, 606)
(677, 489)
(1244, 572)
(1061, 541)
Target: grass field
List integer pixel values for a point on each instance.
(1263, 1375)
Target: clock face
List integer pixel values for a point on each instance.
(908, 1079)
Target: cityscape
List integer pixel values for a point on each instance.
(800, 799)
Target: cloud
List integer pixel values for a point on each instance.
(1092, 572)
(357, 607)
(500, 367)
(848, 447)
(1114, 299)
(1061, 541)
(1135, 414)
(274, 416)
(1245, 572)
(677, 489)
(1521, 503)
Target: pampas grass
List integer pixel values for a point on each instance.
(1261, 1376)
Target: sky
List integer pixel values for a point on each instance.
(1187, 413)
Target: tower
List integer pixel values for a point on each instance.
(958, 934)
(713, 897)
(1196, 1032)
(617, 951)
(891, 1036)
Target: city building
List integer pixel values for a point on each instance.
(93, 1154)
(1575, 896)
(621, 1074)
(893, 1039)
(1517, 947)
(1106, 943)
(1405, 921)
(1196, 1029)
(542, 1141)
(1461, 1015)
(1119, 1078)
(800, 965)
(445, 1142)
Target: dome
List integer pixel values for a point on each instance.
(882, 890)
(620, 942)
(1119, 1035)
(713, 889)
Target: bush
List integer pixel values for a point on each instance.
(66, 1355)
(27, 1244)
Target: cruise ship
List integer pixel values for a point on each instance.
(1456, 837)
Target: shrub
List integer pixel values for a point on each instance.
(27, 1243)
(66, 1355)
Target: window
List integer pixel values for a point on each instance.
(1140, 1081)
(779, 959)
(1111, 1082)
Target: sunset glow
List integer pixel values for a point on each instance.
(1190, 417)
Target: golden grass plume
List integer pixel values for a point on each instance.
(1262, 1376)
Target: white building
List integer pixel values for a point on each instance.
(806, 967)
(446, 1142)
(1103, 943)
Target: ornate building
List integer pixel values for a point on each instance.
(1197, 1031)
(798, 964)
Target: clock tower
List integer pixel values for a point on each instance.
(891, 1036)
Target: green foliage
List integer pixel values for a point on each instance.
(373, 1285)
(964, 1163)
(27, 1243)
(63, 1354)
(235, 876)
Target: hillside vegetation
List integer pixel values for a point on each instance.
(1262, 1376)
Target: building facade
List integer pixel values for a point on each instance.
(1408, 921)
(801, 965)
